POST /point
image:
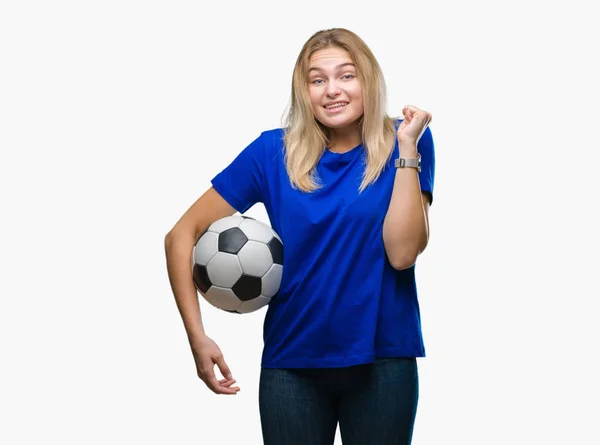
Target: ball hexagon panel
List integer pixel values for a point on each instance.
(253, 305)
(255, 258)
(224, 270)
(225, 223)
(222, 298)
(231, 312)
(200, 277)
(276, 249)
(247, 287)
(256, 232)
(232, 240)
(206, 248)
(271, 281)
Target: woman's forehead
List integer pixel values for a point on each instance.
(330, 58)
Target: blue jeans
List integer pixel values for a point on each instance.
(374, 404)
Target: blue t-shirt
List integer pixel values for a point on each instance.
(340, 302)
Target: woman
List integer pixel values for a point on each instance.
(342, 335)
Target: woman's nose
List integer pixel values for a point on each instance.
(333, 89)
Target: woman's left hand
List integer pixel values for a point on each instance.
(414, 124)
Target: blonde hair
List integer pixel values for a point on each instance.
(305, 137)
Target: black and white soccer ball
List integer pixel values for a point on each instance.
(237, 264)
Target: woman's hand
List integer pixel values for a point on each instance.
(414, 124)
(206, 355)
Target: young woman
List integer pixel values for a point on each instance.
(348, 190)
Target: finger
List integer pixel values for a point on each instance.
(230, 385)
(208, 377)
(215, 387)
(225, 372)
(227, 383)
(228, 388)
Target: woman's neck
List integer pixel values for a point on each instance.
(343, 140)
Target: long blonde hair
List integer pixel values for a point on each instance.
(305, 137)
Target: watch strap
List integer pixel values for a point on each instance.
(409, 162)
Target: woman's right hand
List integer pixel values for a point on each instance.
(206, 355)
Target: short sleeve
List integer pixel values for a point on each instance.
(426, 148)
(241, 183)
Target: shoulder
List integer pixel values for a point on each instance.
(263, 143)
(272, 141)
(273, 135)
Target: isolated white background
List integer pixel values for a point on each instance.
(115, 115)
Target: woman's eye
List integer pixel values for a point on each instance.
(346, 77)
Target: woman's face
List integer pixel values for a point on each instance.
(334, 89)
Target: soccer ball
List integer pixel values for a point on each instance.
(237, 264)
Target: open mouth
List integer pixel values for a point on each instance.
(336, 106)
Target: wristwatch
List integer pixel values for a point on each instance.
(409, 162)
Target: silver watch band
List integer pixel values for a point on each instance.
(409, 162)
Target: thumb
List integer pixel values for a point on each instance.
(220, 361)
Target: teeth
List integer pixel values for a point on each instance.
(342, 104)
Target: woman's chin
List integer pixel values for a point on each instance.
(338, 121)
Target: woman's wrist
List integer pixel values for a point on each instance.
(407, 149)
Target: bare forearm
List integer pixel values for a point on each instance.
(178, 250)
(405, 230)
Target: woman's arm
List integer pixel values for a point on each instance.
(406, 224)
(179, 244)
